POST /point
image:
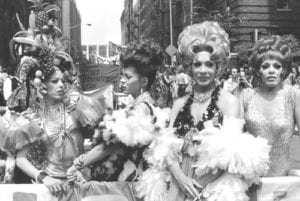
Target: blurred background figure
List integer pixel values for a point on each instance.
(232, 83)
(183, 80)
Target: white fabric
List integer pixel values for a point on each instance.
(7, 88)
(279, 188)
(9, 191)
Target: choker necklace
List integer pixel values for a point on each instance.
(202, 97)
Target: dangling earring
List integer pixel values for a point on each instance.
(141, 90)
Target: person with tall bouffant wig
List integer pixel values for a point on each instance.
(272, 110)
(209, 124)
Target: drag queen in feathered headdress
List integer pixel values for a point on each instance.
(219, 161)
(46, 135)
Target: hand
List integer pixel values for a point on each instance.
(189, 185)
(78, 163)
(73, 175)
(56, 186)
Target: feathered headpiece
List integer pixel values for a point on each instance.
(40, 50)
(42, 42)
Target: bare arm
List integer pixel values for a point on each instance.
(25, 165)
(98, 153)
(178, 104)
(229, 105)
(186, 184)
(297, 110)
(54, 185)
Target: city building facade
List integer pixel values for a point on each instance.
(70, 21)
(254, 18)
(9, 25)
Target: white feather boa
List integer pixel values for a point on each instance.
(152, 185)
(134, 127)
(243, 157)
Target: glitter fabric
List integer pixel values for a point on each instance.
(277, 128)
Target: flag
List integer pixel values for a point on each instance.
(95, 76)
(113, 49)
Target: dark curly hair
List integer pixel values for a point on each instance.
(145, 56)
(272, 47)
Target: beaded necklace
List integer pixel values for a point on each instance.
(55, 118)
(185, 121)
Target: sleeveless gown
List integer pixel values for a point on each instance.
(277, 129)
(186, 128)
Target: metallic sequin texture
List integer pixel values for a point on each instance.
(277, 129)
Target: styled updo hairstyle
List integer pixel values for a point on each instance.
(206, 36)
(145, 56)
(272, 47)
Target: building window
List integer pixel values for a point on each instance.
(283, 5)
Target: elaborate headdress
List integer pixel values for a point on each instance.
(204, 36)
(40, 51)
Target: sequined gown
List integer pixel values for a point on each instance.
(277, 129)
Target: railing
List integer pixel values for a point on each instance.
(25, 192)
(270, 189)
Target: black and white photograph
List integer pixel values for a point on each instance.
(150, 100)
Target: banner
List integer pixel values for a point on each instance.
(95, 76)
(113, 49)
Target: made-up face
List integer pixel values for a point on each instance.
(204, 70)
(56, 87)
(131, 82)
(271, 71)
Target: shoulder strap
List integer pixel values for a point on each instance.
(151, 111)
(150, 108)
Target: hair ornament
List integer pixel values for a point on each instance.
(39, 52)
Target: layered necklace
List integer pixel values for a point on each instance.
(185, 120)
(55, 118)
(202, 97)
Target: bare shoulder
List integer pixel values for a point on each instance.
(227, 98)
(178, 104)
(229, 104)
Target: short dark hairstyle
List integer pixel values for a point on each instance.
(272, 47)
(145, 56)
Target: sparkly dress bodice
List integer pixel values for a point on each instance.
(277, 128)
(64, 140)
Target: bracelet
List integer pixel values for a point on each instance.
(80, 158)
(40, 176)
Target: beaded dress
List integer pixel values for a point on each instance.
(56, 129)
(185, 127)
(277, 128)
